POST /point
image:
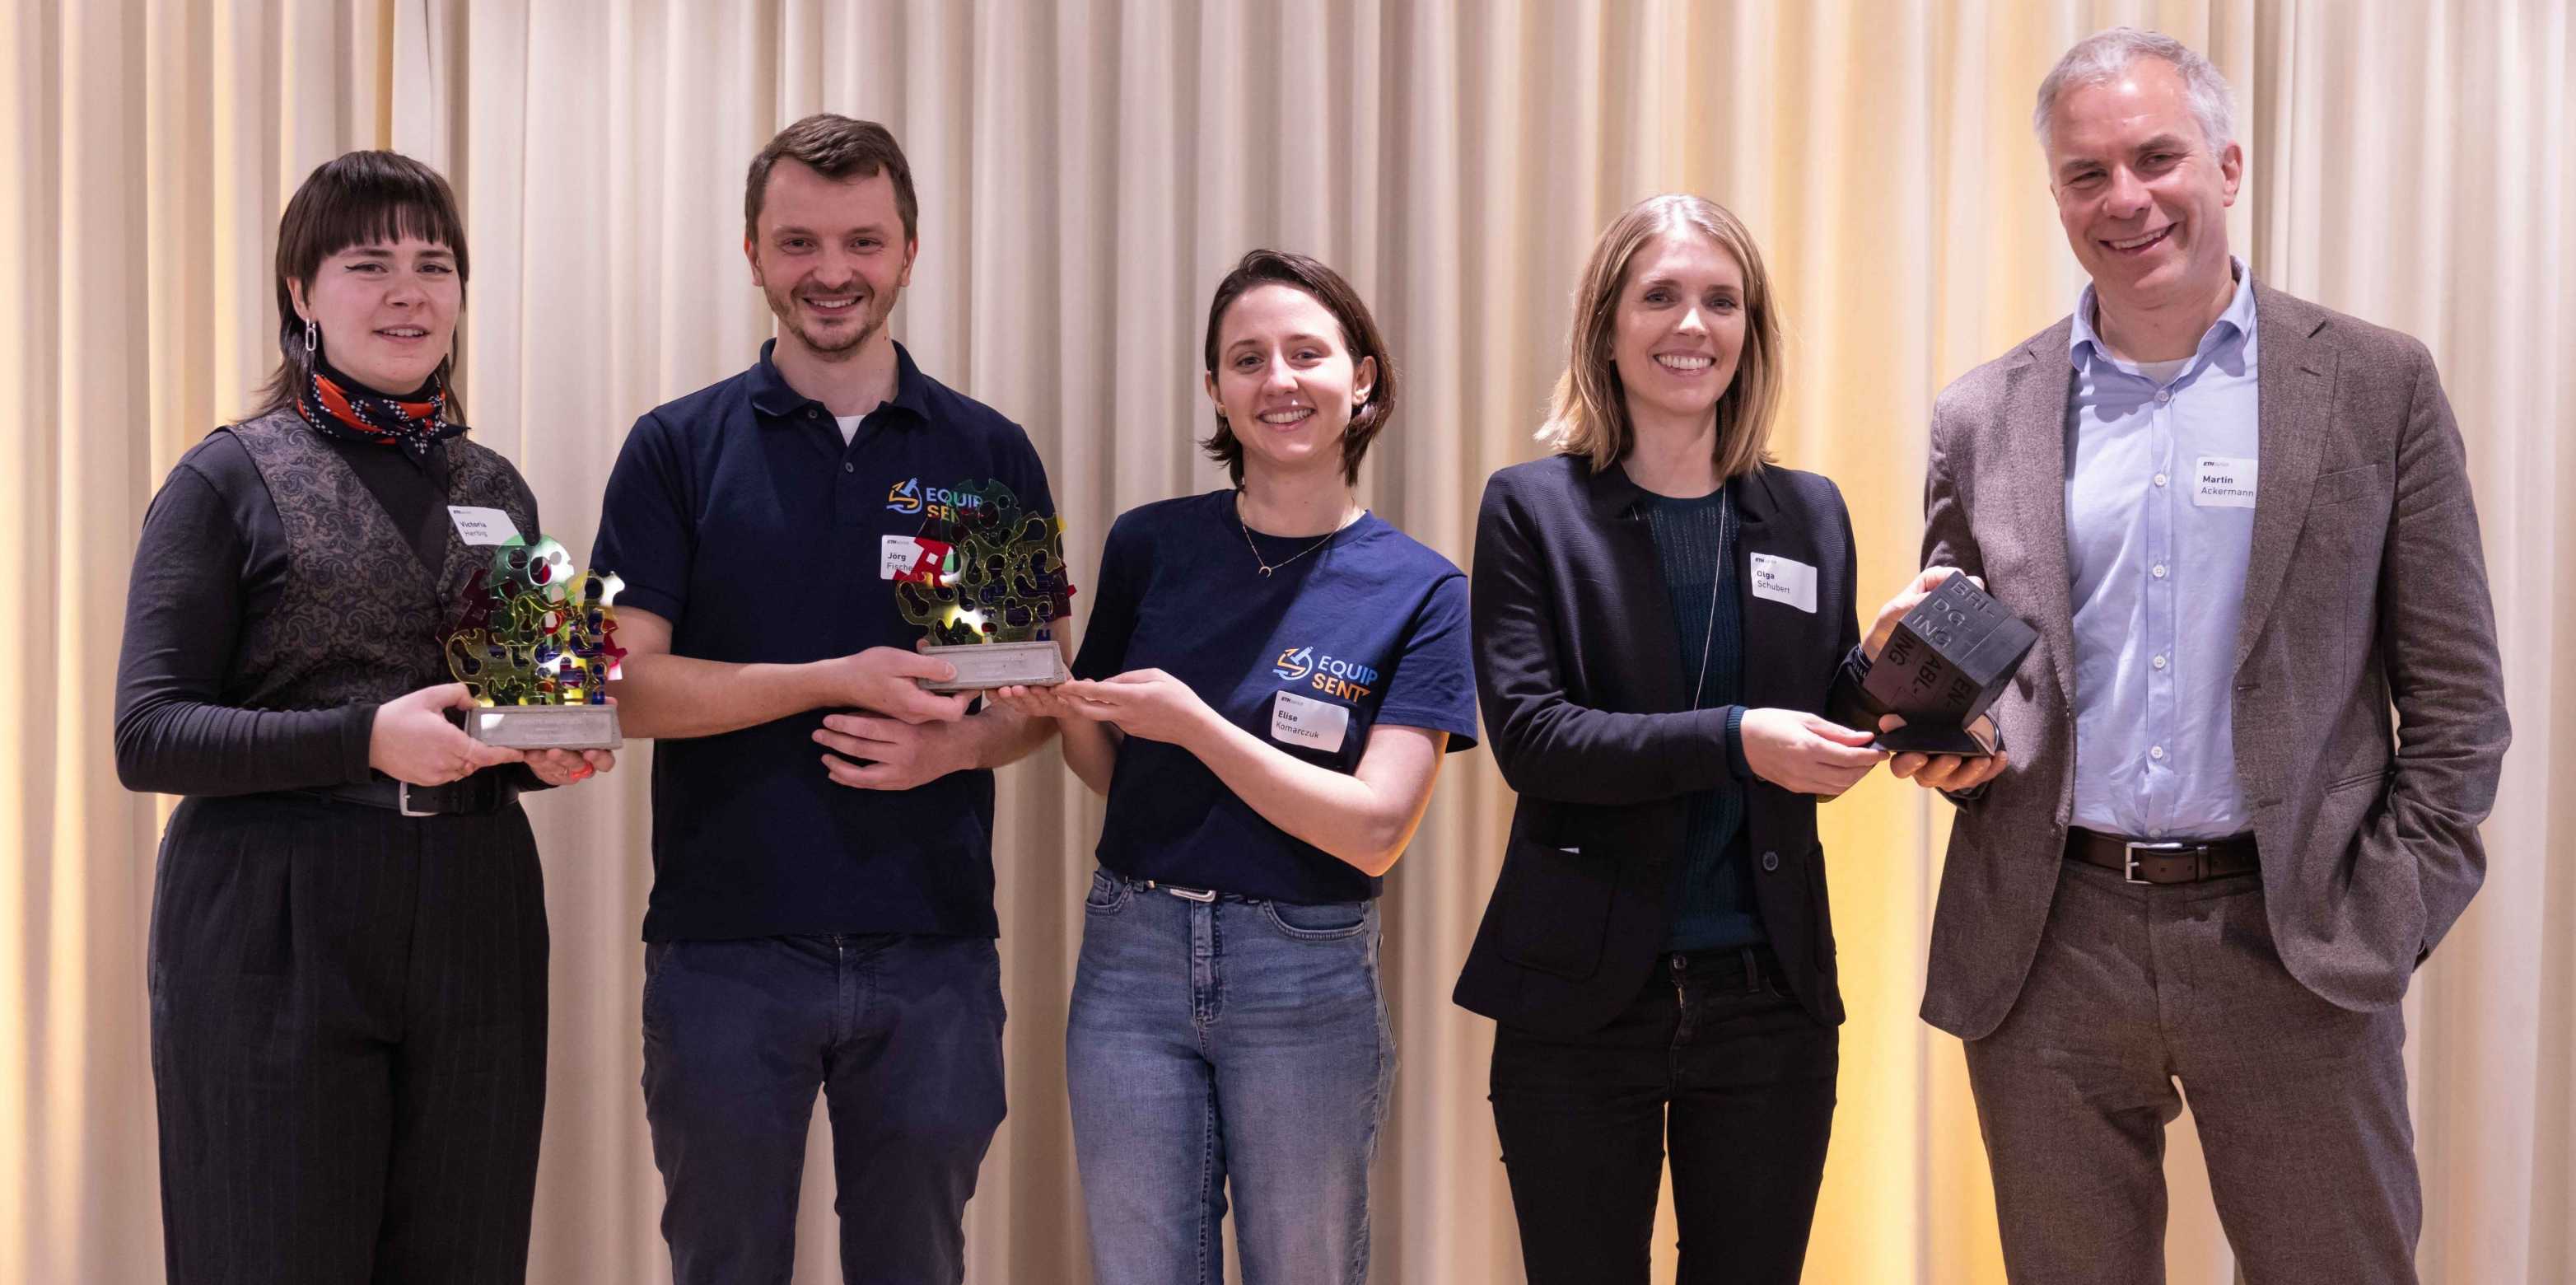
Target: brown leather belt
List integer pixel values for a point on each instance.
(2183, 861)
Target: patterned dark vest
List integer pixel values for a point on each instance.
(361, 618)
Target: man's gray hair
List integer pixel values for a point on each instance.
(2102, 57)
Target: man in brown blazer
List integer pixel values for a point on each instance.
(2242, 526)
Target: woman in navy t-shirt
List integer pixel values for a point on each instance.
(1267, 684)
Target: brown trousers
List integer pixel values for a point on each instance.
(2301, 1105)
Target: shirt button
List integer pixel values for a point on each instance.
(2156, 752)
(811, 413)
(2158, 662)
(848, 467)
(2160, 479)
(2158, 571)
(2163, 396)
(1770, 861)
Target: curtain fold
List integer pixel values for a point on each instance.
(1087, 170)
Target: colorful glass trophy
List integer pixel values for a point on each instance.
(1947, 660)
(536, 644)
(986, 579)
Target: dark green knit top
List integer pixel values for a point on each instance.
(1711, 904)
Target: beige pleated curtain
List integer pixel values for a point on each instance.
(1087, 169)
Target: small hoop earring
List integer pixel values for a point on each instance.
(312, 336)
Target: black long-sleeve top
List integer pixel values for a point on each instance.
(213, 555)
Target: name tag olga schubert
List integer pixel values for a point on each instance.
(1787, 580)
(1312, 724)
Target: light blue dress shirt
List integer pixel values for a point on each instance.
(2161, 467)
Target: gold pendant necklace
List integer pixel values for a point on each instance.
(1268, 567)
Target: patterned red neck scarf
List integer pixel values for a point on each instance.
(338, 406)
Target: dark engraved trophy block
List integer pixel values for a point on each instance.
(1947, 660)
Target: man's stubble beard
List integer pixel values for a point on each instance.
(782, 305)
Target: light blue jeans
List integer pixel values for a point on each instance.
(1224, 1044)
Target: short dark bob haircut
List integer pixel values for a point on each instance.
(362, 198)
(1359, 334)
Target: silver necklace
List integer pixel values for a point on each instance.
(1266, 566)
(1708, 635)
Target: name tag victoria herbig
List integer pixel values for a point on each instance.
(535, 641)
(986, 580)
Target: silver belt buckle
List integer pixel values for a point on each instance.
(402, 801)
(1203, 896)
(2130, 851)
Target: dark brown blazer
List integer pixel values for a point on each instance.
(2366, 588)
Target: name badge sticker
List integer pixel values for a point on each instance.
(1788, 580)
(1312, 724)
(897, 555)
(2218, 482)
(481, 527)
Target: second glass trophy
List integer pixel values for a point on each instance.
(986, 580)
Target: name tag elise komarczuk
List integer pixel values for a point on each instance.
(1309, 723)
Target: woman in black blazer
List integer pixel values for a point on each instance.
(1667, 658)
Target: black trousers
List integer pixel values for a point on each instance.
(348, 1043)
(1712, 1056)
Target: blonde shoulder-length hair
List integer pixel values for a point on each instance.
(1588, 415)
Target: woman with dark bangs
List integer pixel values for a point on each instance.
(348, 946)
(1267, 683)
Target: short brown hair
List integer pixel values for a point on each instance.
(836, 147)
(1589, 413)
(1359, 333)
(362, 198)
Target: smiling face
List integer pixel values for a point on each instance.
(386, 309)
(831, 256)
(1285, 379)
(1680, 329)
(2141, 193)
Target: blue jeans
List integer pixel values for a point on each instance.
(903, 1037)
(1226, 1043)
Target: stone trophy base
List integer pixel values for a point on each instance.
(1934, 738)
(546, 727)
(983, 666)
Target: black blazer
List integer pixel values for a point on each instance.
(1580, 679)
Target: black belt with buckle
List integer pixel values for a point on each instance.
(476, 795)
(2179, 861)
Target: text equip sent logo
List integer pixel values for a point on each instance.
(1328, 674)
(910, 496)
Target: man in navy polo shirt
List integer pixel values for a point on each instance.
(822, 908)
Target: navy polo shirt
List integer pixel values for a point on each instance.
(737, 514)
(1368, 627)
